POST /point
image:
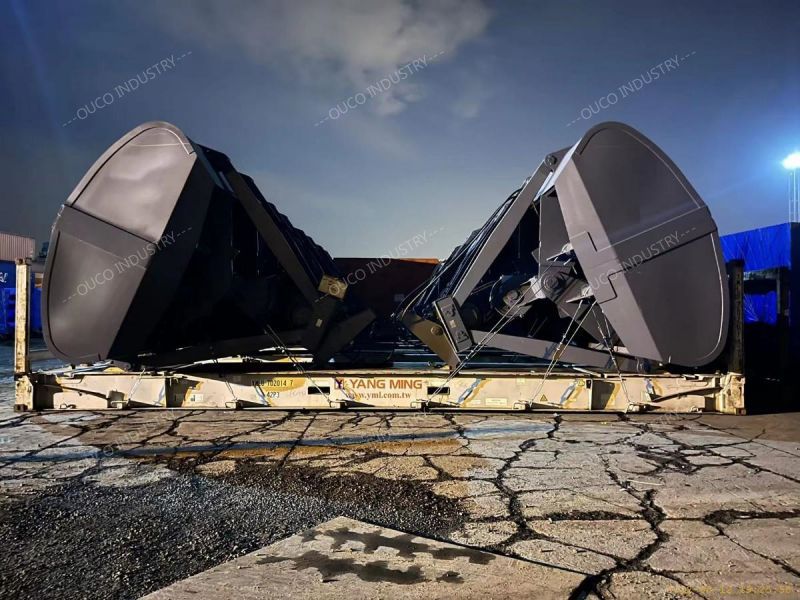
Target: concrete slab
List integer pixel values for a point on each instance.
(344, 558)
(641, 506)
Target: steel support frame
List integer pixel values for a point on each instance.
(388, 389)
(324, 305)
(442, 338)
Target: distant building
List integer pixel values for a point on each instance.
(13, 247)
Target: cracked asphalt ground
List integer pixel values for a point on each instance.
(119, 504)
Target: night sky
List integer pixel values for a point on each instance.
(451, 103)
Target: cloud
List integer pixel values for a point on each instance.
(469, 104)
(381, 136)
(472, 91)
(345, 45)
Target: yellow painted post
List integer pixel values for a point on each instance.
(22, 311)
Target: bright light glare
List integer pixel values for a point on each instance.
(792, 161)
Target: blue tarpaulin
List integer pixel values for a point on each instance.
(8, 274)
(8, 299)
(764, 248)
(761, 308)
(7, 304)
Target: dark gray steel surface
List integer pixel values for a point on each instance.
(616, 226)
(164, 252)
(647, 245)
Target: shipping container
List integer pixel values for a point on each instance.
(383, 283)
(14, 246)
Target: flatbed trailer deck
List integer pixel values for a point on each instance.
(288, 385)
